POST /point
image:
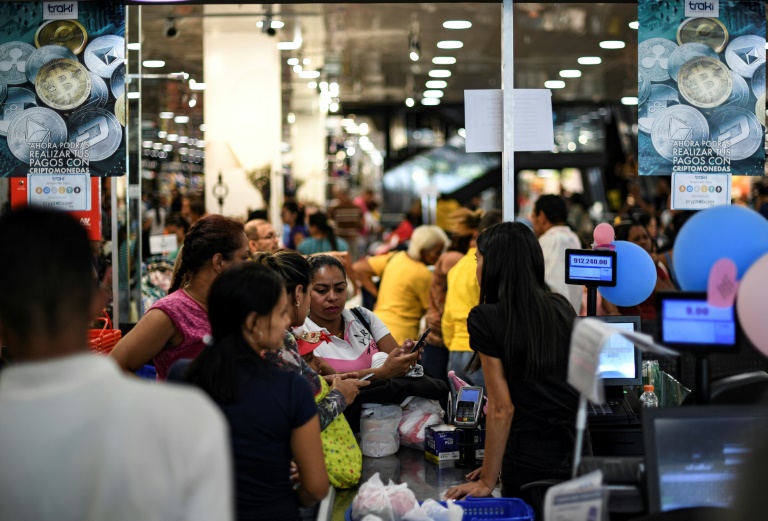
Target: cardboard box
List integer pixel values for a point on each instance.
(441, 445)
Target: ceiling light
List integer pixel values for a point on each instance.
(309, 74)
(347, 121)
(200, 143)
(462, 132)
(288, 46)
(157, 146)
(351, 151)
(457, 24)
(590, 60)
(154, 64)
(202, 127)
(305, 61)
(193, 101)
(409, 102)
(554, 84)
(183, 139)
(570, 73)
(166, 115)
(297, 68)
(323, 86)
(450, 44)
(439, 73)
(414, 56)
(612, 44)
(430, 101)
(436, 84)
(196, 85)
(334, 107)
(443, 60)
(146, 144)
(312, 84)
(167, 148)
(433, 94)
(173, 137)
(629, 100)
(363, 129)
(181, 119)
(133, 46)
(291, 118)
(134, 95)
(293, 61)
(634, 25)
(162, 134)
(277, 24)
(333, 89)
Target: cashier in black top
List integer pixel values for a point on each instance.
(521, 332)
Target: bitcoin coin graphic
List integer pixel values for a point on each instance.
(740, 95)
(653, 57)
(17, 100)
(120, 109)
(105, 54)
(643, 87)
(66, 33)
(117, 82)
(99, 93)
(705, 82)
(741, 128)
(660, 98)
(758, 80)
(745, 54)
(709, 31)
(44, 55)
(760, 109)
(35, 126)
(13, 62)
(98, 128)
(686, 53)
(63, 84)
(677, 123)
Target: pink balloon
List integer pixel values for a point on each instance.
(752, 302)
(603, 234)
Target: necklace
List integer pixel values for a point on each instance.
(202, 304)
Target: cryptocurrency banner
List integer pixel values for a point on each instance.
(701, 87)
(62, 88)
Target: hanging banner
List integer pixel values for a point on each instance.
(701, 87)
(62, 88)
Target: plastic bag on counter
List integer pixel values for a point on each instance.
(418, 414)
(388, 503)
(431, 510)
(379, 429)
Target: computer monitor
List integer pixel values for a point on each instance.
(687, 322)
(590, 267)
(694, 455)
(620, 361)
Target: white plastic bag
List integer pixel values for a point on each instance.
(378, 429)
(372, 500)
(418, 414)
(401, 498)
(431, 510)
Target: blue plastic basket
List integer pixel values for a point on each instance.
(481, 509)
(148, 372)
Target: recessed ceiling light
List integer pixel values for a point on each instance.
(173, 137)
(181, 119)
(443, 60)
(590, 60)
(166, 115)
(450, 44)
(162, 134)
(612, 44)
(154, 64)
(293, 61)
(634, 25)
(436, 84)
(433, 94)
(554, 84)
(134, 46)
(196, 85)
(457, 24)
(414, 56)
(277, 24)
(570, 73)
(409, 102)
(629, 100)
(288, 46)
(312, 84)
(146, 144)
(297, 68)
(167, 148)
(133, 95)
(439, 73)
(309, 74)
(430, 101)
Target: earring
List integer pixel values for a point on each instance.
(298, 303)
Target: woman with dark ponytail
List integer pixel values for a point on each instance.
(271, 413)
(322, 237)
(175, 326)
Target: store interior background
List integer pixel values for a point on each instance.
(277, 101)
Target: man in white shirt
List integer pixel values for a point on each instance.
(549, 223)
(80, 440)
(261, 236)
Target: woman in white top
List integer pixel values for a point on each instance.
(356, 335)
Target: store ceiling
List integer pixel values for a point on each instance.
(370, 44)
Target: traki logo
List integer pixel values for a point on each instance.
(59, 10)
(699, 8)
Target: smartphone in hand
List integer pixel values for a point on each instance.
(421, 342)
(366, 377)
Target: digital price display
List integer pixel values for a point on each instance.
(590, 267)
(688, 321)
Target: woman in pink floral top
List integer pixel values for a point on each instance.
(177, 325)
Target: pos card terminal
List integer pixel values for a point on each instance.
(468, 405)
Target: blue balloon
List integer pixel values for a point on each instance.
(733, 232)
(635, 276)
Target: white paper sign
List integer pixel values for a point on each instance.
(580, 499)
(587, 341)
(70, 192)
(159, 244)
(695, 191)
(484, 120)
(59, 10)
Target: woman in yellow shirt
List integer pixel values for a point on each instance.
(403, 294)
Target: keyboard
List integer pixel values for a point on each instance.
(611, 409)
(615, 470)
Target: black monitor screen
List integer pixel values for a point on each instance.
(689, 469)
(590, 267)
(688, 321)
